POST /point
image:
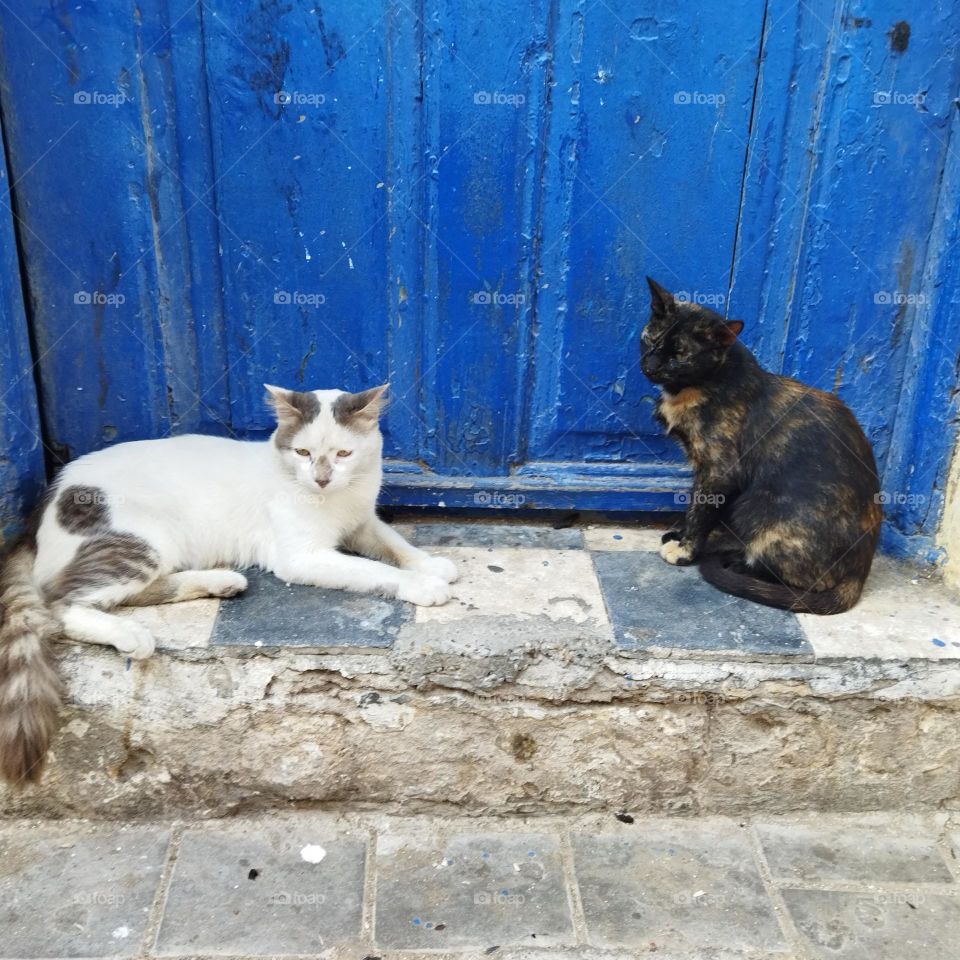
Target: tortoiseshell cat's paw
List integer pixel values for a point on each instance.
(677, 552)
(671, 535)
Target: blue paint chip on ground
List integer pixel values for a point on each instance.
(655, 605)
(271, 613)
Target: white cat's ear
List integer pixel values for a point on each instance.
(361, 411)
(278, 399)
(291, 406)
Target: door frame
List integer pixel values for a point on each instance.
(22, 473)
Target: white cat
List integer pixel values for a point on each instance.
(154, 521)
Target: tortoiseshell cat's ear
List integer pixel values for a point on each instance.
(729, 331)
(661, 299)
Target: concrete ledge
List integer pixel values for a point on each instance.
(522, 723)
(545, 709)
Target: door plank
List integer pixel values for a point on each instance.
(484, 113)
(21, 460)
(840, 269)
(300, 97)
(646, 153)
(91, 115)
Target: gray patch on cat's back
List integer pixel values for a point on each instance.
(101, 561)
(82, 509)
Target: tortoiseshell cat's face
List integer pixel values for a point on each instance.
(683, 344)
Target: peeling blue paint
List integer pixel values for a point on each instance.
(21, 447)
(465, 204)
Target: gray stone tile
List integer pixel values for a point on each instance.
(895, 851)
(683, 887)
(876, 926)
(470, 892)
(653, 605)
(496, 535)
(254, 888)
(271, 613)
(75, 890)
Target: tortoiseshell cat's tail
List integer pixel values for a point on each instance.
(835, 600)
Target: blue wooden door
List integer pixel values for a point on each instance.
(465, 201)
(467, 205)
(21, 443)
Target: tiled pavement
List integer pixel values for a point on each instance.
(607, 579)
(868, 887)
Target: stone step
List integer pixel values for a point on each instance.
(573, 670)
(855, 887)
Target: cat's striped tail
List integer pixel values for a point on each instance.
(30, 688)
(824, 602)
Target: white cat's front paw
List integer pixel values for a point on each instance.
(136, 641)
(424, 591)
(224, 583)
(440, 567)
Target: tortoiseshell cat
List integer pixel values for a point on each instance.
(785, 484)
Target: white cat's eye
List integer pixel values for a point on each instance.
(301, 452)
(344, 453)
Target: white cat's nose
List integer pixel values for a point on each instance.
(322, 471)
